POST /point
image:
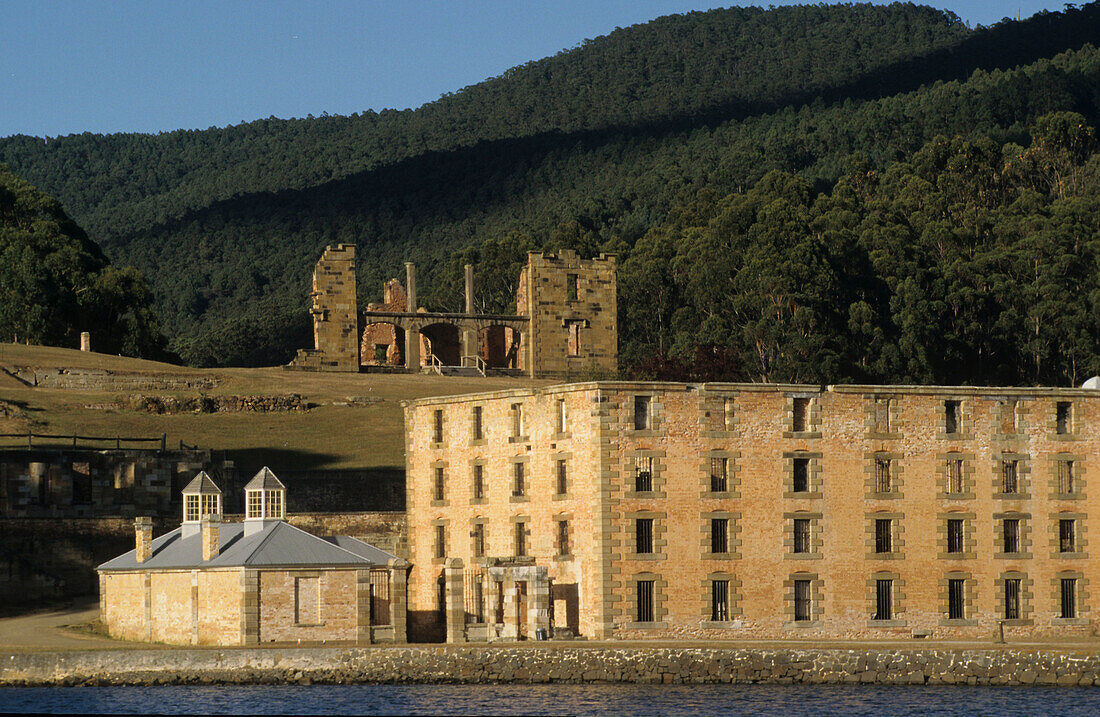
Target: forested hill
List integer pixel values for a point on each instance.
(591, 148)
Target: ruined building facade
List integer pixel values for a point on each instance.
(709, 511)
(335, 324)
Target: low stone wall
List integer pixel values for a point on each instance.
(552, 663)
(89, 379)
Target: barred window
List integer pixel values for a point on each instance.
(954, 535)
(954, 475)
(1010, 477)
(1067, 538)
(437, 429)
(719, 535)
(643, 474)
(801, 535)
(519, 487)
(191, 508)
(521, 539)
(643, 536)
(883, 540)
(440, 541)
(883, 479)
(956, 599)
(479, 540)
(439, 487)
(801, 476)
(1065, 477)
(719, 600)
(951, 416)
(563, 477)
(1011, 535)
(479, 481)
(884, 603)
(1069, 598)
(1012, 599)
(1062, 413)
(479, 427)
(645, 600)
(802, 605)
(563, 537)
(719, 474)
(801, 417)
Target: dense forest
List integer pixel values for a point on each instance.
(791, 193)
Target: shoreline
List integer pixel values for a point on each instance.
(572, 664)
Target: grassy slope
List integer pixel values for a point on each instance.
(327, 436)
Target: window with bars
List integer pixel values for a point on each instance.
(439, 483)
(440, 541)
(645, 600)
(642, 406)
(479, 426)
(883, 539)
(801, 475)
(1010, 477)
(719, 535)
(437, 427)
(1063, 413)
(800, 422)
(379, 597)
(1010, 533)
(954, 535)
(563, 538)
(719, 474)
(719, 600)
(191, 508)
(1067, 535)
(479, 601)
(1069, 598)
(478, 534)
(1065, 477)
(883, 478)
(643, 536)
(521, 539)
(563, 476)
(643, 474)
(519, 486)
(956, 598)
(479, 481)
(801, 535)
(884, 599)
(954, 475)
(1012, 599)
(951, 417)
(802, 603)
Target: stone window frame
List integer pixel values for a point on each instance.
(1023, 475)
(1080, 538)
(444, 523)
(1019, 414)
(660, 609)
(897, 599)
(734, 597)
(561, 414)
(817, 600)
(733, 478)
(474, 411)
(817, 541)
(964, 424)
(322, 582)
(1082, 598)
(733, 535)
(657, 471)
(438, 438)
(897, 475)
(525, 521)
(1027, 598)
(813, 476)
(1074, 425)
(897, 535)
(660, 535)
(484, 523)
(1078, 461)
(969, 599)
(656, 409)
(520, 431)
(719, 405)
(566, 456)
(436, 466)
(970, 539)
(558, 555)
(1025, 536)
(474, 500)
(893, 417)
(813, 419)
(525, 496)
(969, 475)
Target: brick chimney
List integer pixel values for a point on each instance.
(143, 535)
(211, 525)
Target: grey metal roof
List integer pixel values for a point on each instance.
(276, 544)
(201, 483)
(264, 480)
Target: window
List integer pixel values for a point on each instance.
(307, 601)
(641, 412)
(1012, 599)
(719, 600)
(479, 540)
(274, 504)
(563, 477)
(801, 535)
(643, 536)
(883, 539)
(1008, 416)
(801, 476)
(1063, 411)
(573, 343)
(1069, 598)
(211, 505)
(1067, 542)
(643, 474)
(518, 483)
(954, 475)
(479, 481)
(563, 537)
(572, 286)
(440, 541)
(951, 416)
(479, 426)
(191, 507)
(719, 474)
(1011, 534)
(719, 535)
(1010, 477)
(802, 610)
(801, 418)
(954, 535)
(562, 420)
(956, 599)
(1065, 477)
(645, 600)
(255, 504)
(883, 482)
(439, 479)
(884, 608)
(882, 415)
(479, 602)
(521, 539)
(437, 427)
(517, 420)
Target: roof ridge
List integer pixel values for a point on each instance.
(334, 545)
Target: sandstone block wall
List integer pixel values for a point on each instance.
(335, 318)
(308, 605)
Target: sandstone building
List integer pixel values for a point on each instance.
(214, 583)
(335, 321)
(631, 510)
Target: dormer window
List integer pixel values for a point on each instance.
(265, 497)
(201, 498)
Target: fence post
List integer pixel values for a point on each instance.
(163, 442)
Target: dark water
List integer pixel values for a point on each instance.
(790, 701)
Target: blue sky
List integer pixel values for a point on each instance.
(71, 66)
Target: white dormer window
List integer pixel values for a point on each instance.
(255, 504)
(191, 509)
(200, 499)
(265, 504)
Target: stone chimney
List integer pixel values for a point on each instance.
(143, 535)
(211, 525)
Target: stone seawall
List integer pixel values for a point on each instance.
(552, 663)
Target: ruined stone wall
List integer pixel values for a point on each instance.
(384, 344)
(335, 319)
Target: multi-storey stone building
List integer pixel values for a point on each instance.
(624, 510)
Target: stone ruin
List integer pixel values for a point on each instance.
(335, 325)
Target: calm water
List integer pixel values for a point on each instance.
(789, 701)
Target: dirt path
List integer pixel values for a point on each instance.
(43, 631)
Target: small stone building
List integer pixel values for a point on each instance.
(262, 580)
